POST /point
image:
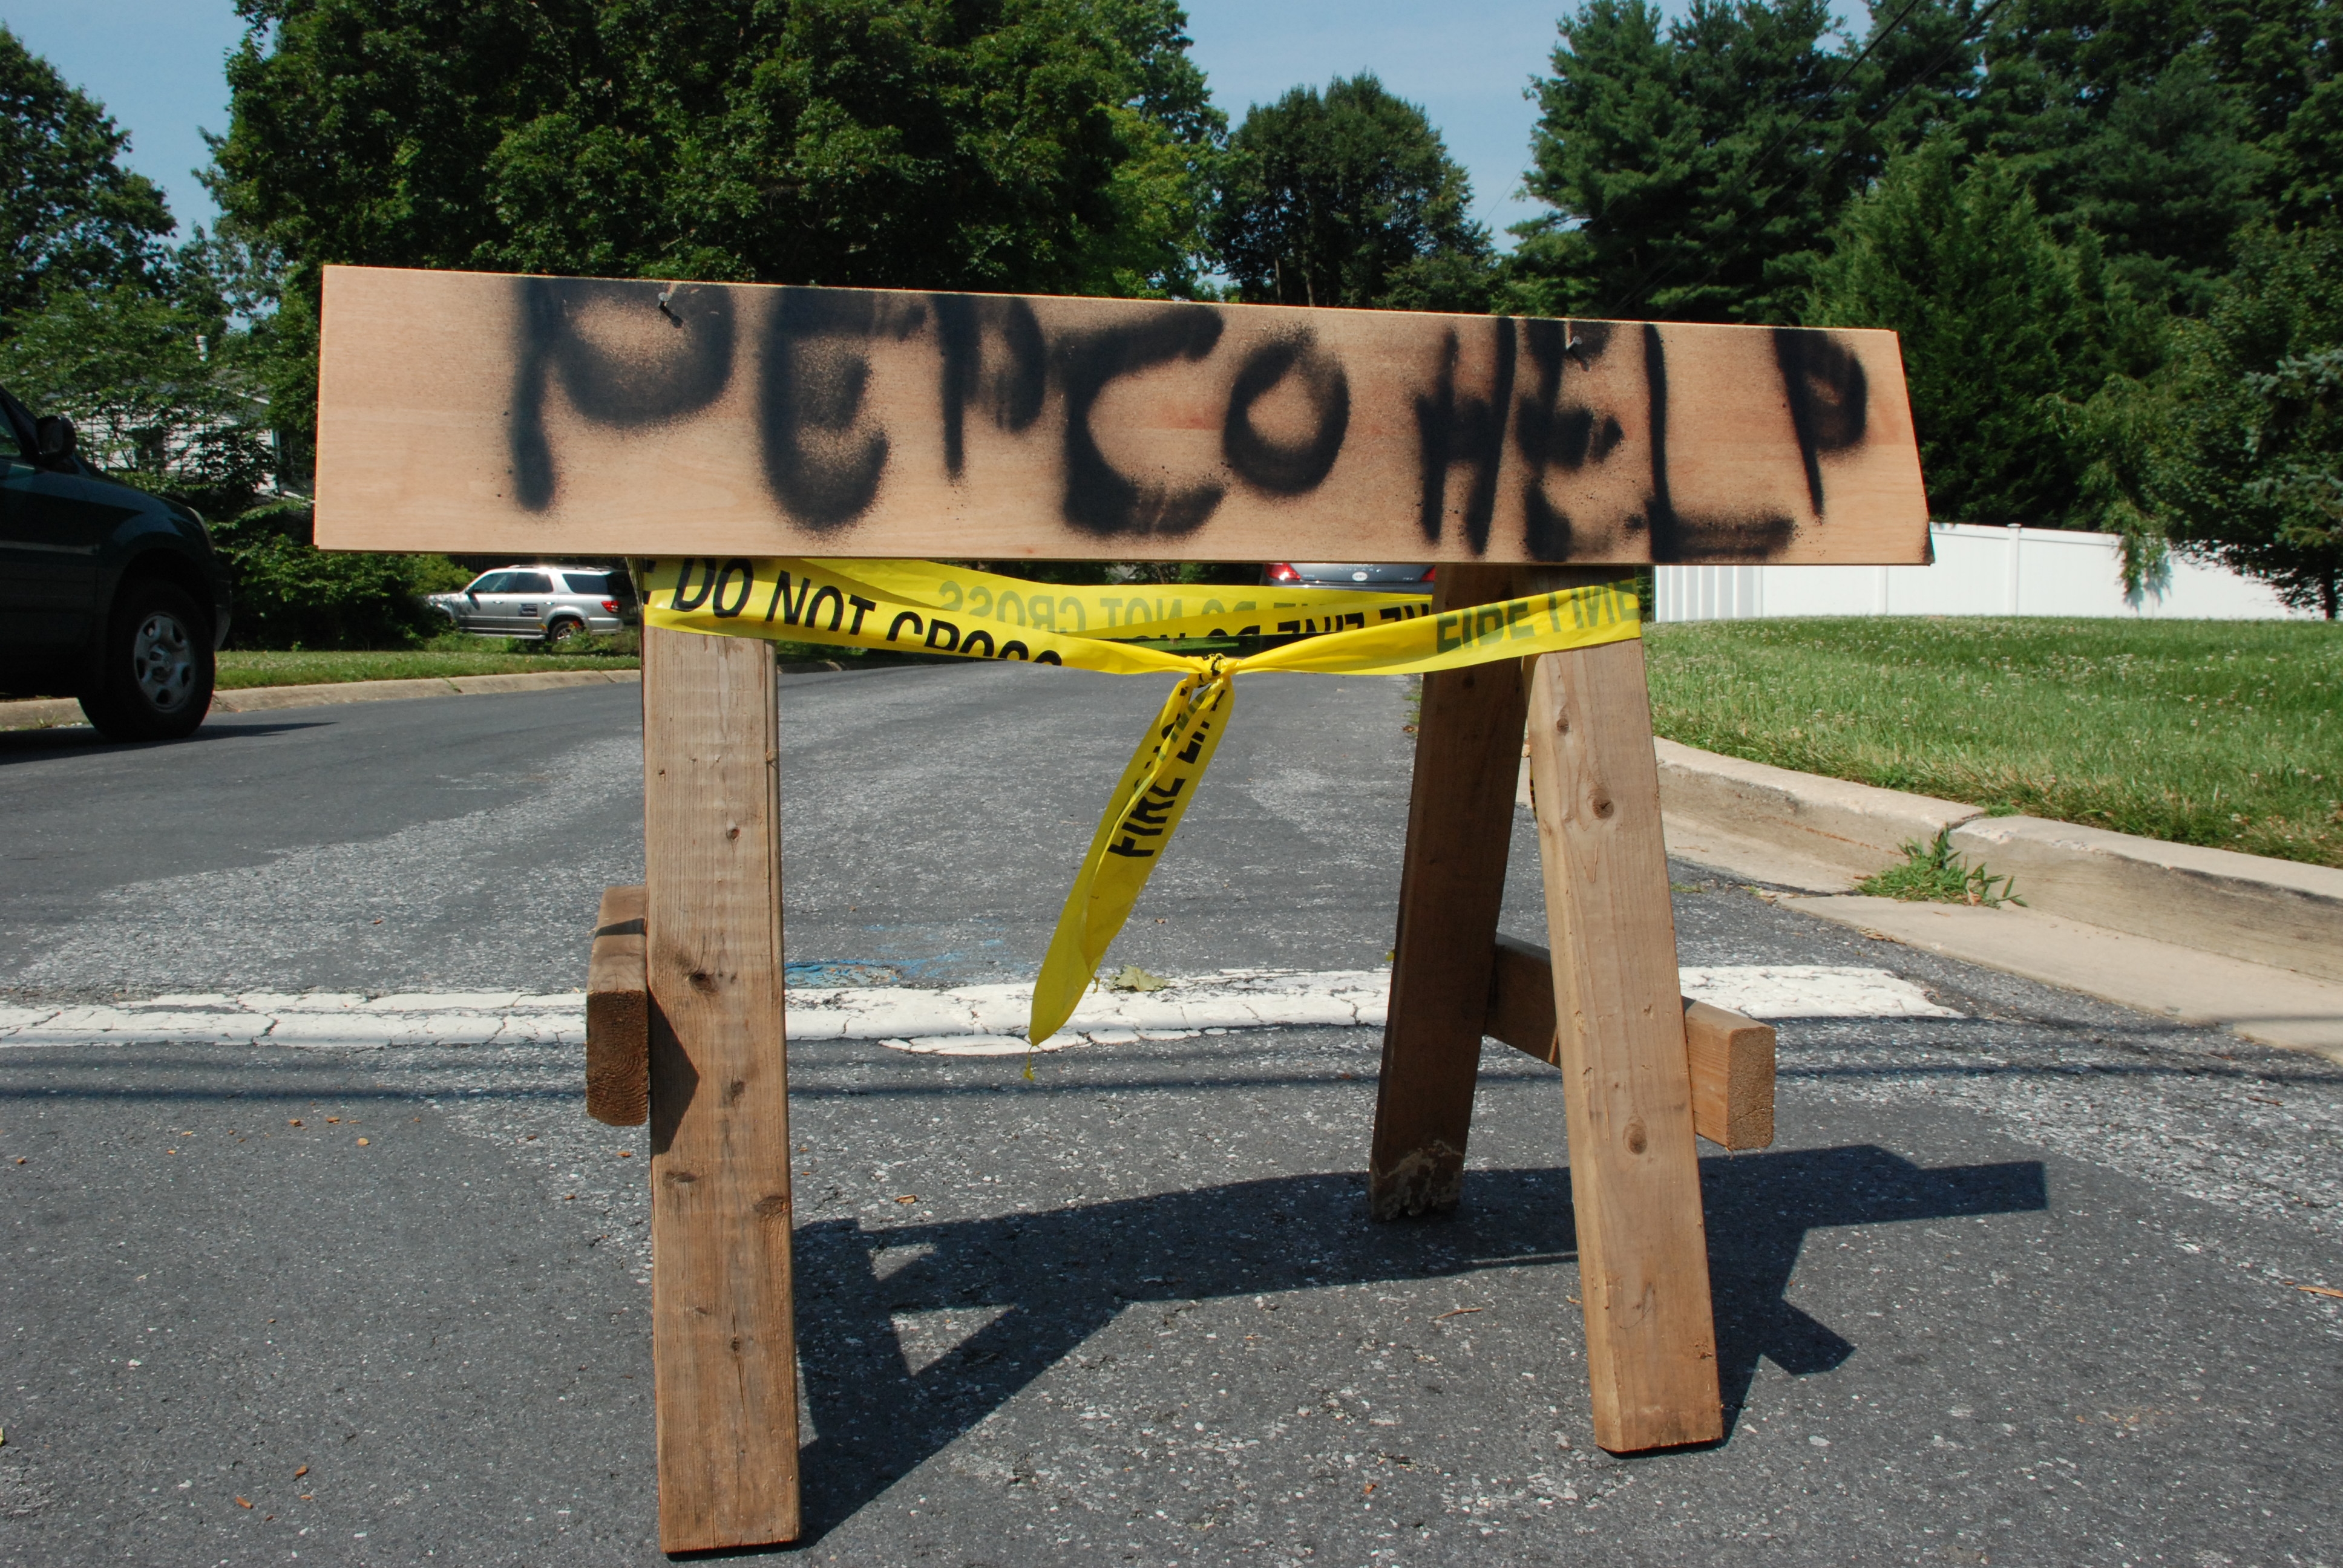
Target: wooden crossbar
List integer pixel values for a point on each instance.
(1731, 1057)
(618, 1013)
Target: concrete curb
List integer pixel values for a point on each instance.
(2249, 907)
(2187, 985)
(1794, 829)
(1857, 828)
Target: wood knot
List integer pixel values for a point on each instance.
(1603, 806)
(773, 1206)
(734, 1090)
(733, 831)
(1561, 725)
(702, 981)
(679, 1178)
(1635, 1138)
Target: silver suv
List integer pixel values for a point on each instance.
(552, 602)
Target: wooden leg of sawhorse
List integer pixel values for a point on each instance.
(723, 1336)
(1460, 817)
(1634, 1176)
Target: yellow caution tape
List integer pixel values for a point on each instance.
(1010, 607)
(922, 607)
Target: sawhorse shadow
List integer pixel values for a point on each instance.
(1050, 1281)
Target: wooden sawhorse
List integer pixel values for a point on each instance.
(685, 1028)
(475, 413)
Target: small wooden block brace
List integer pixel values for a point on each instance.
(1732, 1057)
(618, 1014)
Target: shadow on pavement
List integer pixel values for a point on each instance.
(24, 745)
(1065, 1275)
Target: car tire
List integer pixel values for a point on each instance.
(564, 630)
(153, 674)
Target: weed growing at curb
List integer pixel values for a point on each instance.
(1933, 873)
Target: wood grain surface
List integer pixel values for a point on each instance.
(479, 412)
(1634, 1175)
(1730, 1057)
(617, 1014)
(722, 1331)
(1460, 821)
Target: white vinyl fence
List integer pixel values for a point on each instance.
(1978, 571)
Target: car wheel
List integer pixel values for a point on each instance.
(562, 631)
(154, 676)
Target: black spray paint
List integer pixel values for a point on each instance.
(1014, 394)
(1830, 398)
(1454, 430)
(1297, 469)
(824, 460)
(1676, 536)
(1549, 433)
(1100, 498)
(688, 372)
(823, 468)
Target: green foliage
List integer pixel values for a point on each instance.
(2162, 125)
(162, 394)
(1694, 170)
(242, 669)
(2222, 733)
(1040, 145)
(2002, 327)
(1935, 873)
(1050, 145)
(1348, 199)
(2239, 445)
(71, 217)
(290, 595)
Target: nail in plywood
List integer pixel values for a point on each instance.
(617, 1014)
(1459, 824)
(1634, 1176)
(722, 1333)
(475, 412)
(1731, 1057)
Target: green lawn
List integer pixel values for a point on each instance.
(237, 670)
(2227, 733)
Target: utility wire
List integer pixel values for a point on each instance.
(1976, 30)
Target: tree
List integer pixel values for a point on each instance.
(2151, 125)
(1692, 171)
(2002, 329)
(1349, 199)
(71, 217)
(876, 142)
(1044, 146)
(156, 388)
(2244, 462)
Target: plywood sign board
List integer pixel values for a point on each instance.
(479, 412)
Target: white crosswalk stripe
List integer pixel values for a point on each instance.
(965, 1020)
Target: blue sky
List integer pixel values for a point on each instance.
(157, 67)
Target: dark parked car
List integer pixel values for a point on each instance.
(105, 591)
(1365, 577)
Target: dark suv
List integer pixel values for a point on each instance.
(105, 591)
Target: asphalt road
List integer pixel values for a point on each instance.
(2014, 1287)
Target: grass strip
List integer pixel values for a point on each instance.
(242, 670)
(2222, 733)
